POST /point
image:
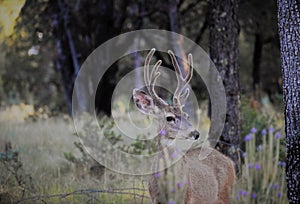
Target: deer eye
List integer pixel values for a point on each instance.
(170, 118)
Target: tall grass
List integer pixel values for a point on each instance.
(263, 174)
(42, 146)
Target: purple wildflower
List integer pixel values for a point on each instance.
(253, 195)
(253, 130)
(263, 132)
(250, 165)
(237, 197)
(277, 135)
(283, 164)
(241, 192)
(271, 130)
(172, 190)
(158, 175)
(179, 185)
(276, 186)
(171, 202)
(162, 132)
(245, 193)
(257, 166)
(186, 182)
(248, 137)
(279, 194)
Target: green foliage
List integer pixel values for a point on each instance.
(84, 157)
(27, 73)
(263, 176)
(11, 156)
(109, 131)
(141, 146)
(251, 117)
(111, 135)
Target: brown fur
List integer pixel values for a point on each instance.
(210, 176)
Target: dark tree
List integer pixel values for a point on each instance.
(75, 40)
(289, 27)
(258, 23)
(257, 56)
(223, 37)
(64, 62)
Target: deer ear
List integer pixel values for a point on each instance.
(143, 102)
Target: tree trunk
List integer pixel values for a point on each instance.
(223, 37)
(104, 31)
(64, 59)
(81, 91)
(289, 27)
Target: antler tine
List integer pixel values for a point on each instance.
(191, 67)
(150, 79)
(146, 66)
(182, 82)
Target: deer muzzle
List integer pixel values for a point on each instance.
(195, 135)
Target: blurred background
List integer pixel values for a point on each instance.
(44, 43)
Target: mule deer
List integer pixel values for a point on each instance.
(209, 179)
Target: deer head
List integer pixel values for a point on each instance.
(173, 120)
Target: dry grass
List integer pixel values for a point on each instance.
(42, 144)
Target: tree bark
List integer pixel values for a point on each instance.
(223, 37)
(289, 27)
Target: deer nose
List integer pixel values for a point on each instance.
(195, 134)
